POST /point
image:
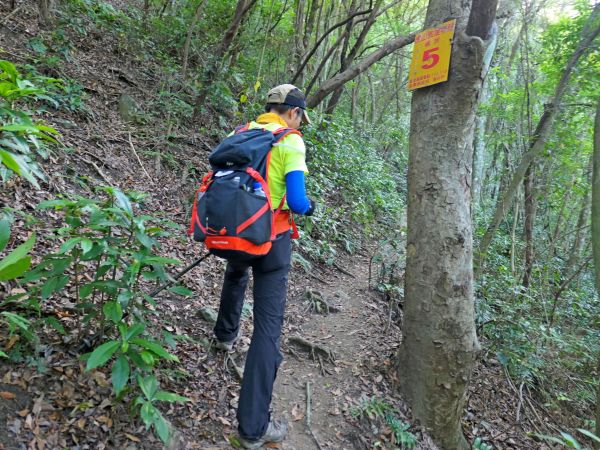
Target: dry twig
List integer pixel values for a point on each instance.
(344, 271)
(12, 13)
(138, 158)
(309, 415)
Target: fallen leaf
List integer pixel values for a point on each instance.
(12, 341)
(224, 421)
(297, 413)
(23, 413)
(7, 395)
(131, 437)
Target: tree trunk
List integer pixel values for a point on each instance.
(440, 344)
(348, 58)
(190, 33)
(596, 237)
(541, 134)
(243, 6)
(298, 48)
(582, 221)
(44, 7)
(529, 222)
(481, 125)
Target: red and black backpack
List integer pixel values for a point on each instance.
(232, 215)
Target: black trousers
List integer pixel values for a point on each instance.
(263, 359)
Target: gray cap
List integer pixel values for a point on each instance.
(288, 94)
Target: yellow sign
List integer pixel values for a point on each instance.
(431, 56)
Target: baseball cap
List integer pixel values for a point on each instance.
(288, 94)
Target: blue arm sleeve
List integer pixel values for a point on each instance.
(296, 192)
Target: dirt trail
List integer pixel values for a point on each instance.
(357, 337)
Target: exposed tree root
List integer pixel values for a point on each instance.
(344, 271)
(239, 371)
(317, 304)
(314, 348)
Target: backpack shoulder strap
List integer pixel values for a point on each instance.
(241, 128)
(282, 132)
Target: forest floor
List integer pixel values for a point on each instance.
(50, 402)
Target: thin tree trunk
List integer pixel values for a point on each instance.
(323, 63)
(243, 6)
(44, 7)
(596, 237)
(190, 33)
(529, 222)
(582, 221)
(298, 21)
(349, 58)
(541, 134)
(440, 345)
(560, 217)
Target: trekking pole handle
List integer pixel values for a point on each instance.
(179, 275)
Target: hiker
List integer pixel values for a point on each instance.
(286, 107)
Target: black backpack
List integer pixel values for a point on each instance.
(232, 212)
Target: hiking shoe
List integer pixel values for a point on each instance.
(276, 432)
(227, 346)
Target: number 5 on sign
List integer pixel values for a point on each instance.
(431, 56)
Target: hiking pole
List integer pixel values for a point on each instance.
(179, 275)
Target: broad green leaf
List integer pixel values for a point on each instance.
(15, 270)
(19, 165)
(48, 288)
(102, 354)
(3, 355)
(112, 310)
(148, 357)
(19, 127)
(120, 373)
(160, 260)
(54, 204)
(55, 323)
(16, 320)
(10, 69)
(4, 233)
(148, 385)
(165, 396)
(147, 413)
(86, 245)
(181, 290)
(123, 201)
(145, 240)
(124, 298)
(570, 440)
(17, 254)
(154, 348)
(162, 427)
(589, 434)
(134, 330)
(69, 244)
(137, 360)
